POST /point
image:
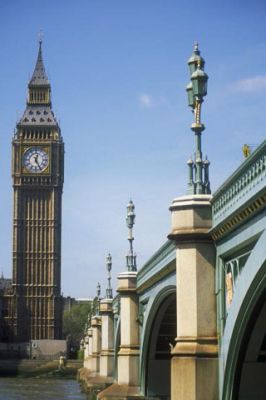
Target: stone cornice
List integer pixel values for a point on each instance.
(190, 236)
(199, 347)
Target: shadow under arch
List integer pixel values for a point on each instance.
(243, 328)
(117, 340)
(159, 331)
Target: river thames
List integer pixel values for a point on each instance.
(40, 389)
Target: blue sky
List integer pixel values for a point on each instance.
(118, 73)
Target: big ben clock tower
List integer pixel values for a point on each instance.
(38, 172)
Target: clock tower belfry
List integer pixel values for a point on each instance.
(38, 173)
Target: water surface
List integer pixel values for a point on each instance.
(40, 389)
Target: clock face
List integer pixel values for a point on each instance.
(35, 160)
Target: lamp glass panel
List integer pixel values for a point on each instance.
(190, 97)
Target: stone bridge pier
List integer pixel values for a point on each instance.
(194, 363)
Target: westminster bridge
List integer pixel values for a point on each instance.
(189, 308)
(190, 324)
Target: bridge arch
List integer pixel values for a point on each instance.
(159, 330)
(245, 333)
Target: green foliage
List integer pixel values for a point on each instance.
(80, 355)
(74, 322)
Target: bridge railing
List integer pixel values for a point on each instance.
(242, 193)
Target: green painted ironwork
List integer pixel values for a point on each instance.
(248, 180)
(130, 220)
(109, 291)
(232, 270)
(250, 289)
(161, 264)
(196, 90)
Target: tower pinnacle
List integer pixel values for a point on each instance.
(38, 110)
(39, 88)
(39, 76)
(40, 36)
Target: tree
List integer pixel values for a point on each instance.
(74, 322)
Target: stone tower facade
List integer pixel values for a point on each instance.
(38, 173)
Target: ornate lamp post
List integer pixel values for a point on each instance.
(196, 91)
(130, 220)
(95, 345)
(195, 260)
(98, 293)
(109, 292)
(128, 355)
(107, 326)
(89, 317)
(98, 290)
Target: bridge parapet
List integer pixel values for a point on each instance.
(159, 265)
(242, 195)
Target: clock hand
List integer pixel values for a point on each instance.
(36, 161)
